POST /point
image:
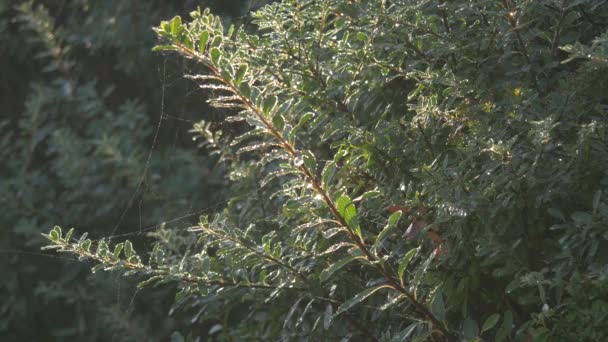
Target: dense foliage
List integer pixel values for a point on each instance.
(420, 170)
(82, 99)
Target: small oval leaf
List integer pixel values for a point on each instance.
(215, 55)
(202, 41)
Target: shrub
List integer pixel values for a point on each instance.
(422, 171)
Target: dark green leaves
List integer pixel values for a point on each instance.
(269, 103)
(240, 73)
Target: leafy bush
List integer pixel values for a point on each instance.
(422, 171)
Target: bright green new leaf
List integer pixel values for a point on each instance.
(176, 25)
(165, 27)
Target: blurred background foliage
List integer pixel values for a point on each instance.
(94, 133)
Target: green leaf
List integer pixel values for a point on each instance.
(490, 322)
(57, 229)
(362, 36)
(165, 27)
(176, 25)
(438, 306)
(83, 238)
(358, 298)
(102, 248)
(291, 311)
(392, 222)
(202, 41)
(244, 89)
(215, 55)
(278, 121)
(217, 40)
(53, 235)
(328, 173)
(117, 249)
(240, 73)
(328, 272)
(68, 236)
(128, 249)
(269, 103)
(406, 261)
(303, 120)
(86, 245)
(348, 211)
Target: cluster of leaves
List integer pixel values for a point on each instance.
(423, 170)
